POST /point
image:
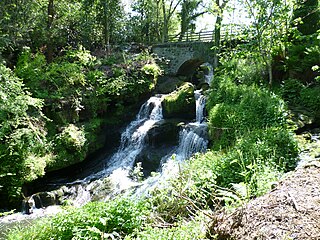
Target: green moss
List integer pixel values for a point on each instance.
(180, 103)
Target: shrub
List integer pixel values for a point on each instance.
(310, 98)
(236, 110)
(182, 231)
(291, 90)
(23, 144)
(70, 146)
(96, 220)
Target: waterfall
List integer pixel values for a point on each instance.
(118, 166)
(192, 139)
(116, 172)
(209, 76)
(200, 105)
(132, 139)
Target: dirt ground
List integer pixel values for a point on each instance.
(290, 211)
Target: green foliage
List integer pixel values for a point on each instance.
(75, 95)
(181, 231)
(93, 221)
(151, 69)
(70, 146)
(296, 93)
(303, 54)
(22, 135)
(238, 109)
(257, 152)
(291, 90)
(308, 15)
(310, 98)
(249, 123)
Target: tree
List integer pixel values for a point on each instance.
(108, 15)
(18, 21)
(308, 14)
(188, 15)
(145, 23)
(51, 16)
(22, 137)
(169, 7)
(218, 9)
(270, 20)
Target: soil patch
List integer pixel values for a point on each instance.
(290, 211)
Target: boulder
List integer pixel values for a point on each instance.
(180, 103)
(161, 140)
(168, 84)
(165, 132)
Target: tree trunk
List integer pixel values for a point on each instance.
(165, 24)
(106, 27)
(217, 40)
(49, 54)
(184, 22)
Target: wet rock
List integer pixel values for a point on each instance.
(167, 84)
(161, 141)
(165, 132)
(302, 120)
(45, 199)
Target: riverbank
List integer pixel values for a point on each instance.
(289, 211)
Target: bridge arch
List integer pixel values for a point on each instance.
(184, 58)
(189, 67)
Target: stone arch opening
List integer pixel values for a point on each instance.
(189, 67)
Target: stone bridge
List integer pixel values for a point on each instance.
(183, 58)
(185, 54)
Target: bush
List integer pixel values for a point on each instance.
(23, 145)
(249, 123)
(96, 220)
(291, 90)
(183, 231)
(236, 110)
(310, 98)
(70, 146)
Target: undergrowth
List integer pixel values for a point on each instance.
(251, 148)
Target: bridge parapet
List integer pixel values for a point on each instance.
(229, 31)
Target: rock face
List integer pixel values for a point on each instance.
(180, 103)
(302, 120)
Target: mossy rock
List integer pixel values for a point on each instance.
(167, 84)
(180, 103)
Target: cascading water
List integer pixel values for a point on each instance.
(200, 105)
(192, 139)
(209, 76)
(132, 138)
(132, 143)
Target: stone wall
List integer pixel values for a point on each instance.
(183, 58)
